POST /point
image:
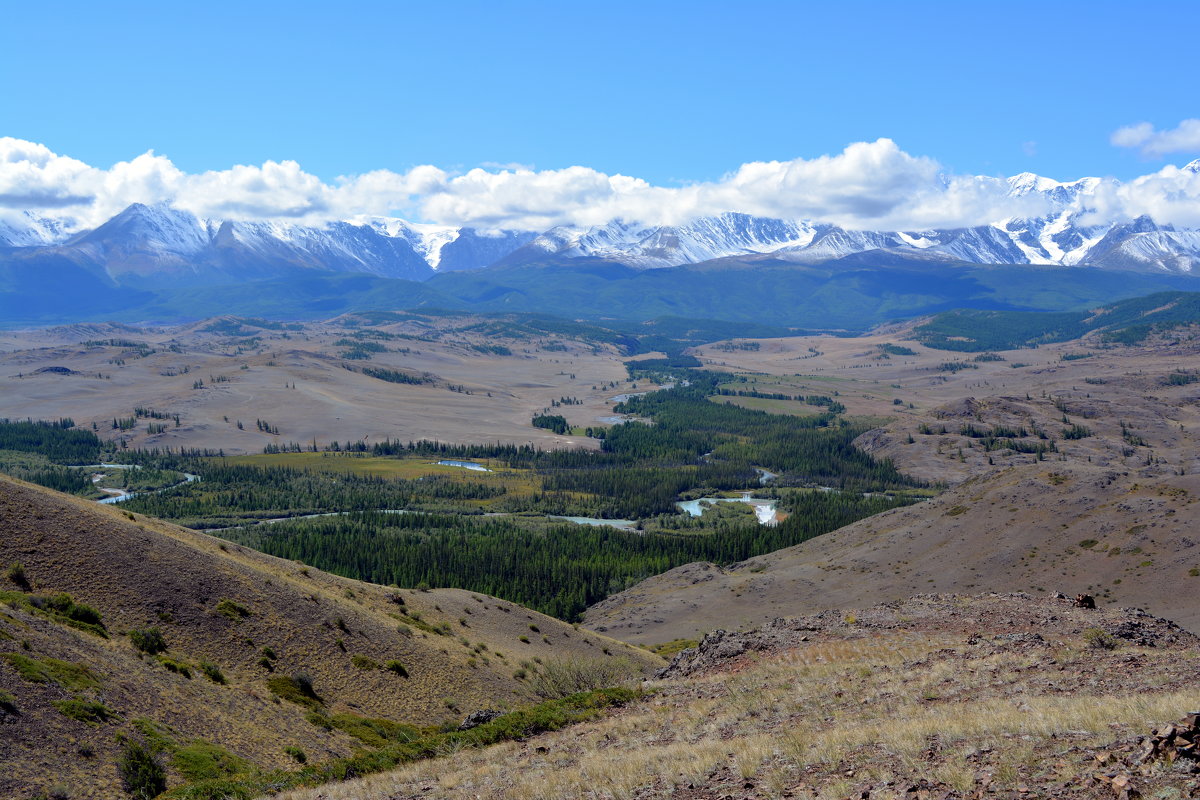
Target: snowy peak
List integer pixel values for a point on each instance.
(27, 229)
(157, 228)
(158, 245)
(650, 246)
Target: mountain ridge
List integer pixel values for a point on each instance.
(144, 240)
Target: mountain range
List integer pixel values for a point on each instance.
(159, 245)
(163, 264)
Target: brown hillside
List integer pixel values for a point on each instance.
(1038, 528)
(141, 573)
(934, 697)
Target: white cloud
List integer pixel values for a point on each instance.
(872, 185)
(1184, 138)
(1169, 196)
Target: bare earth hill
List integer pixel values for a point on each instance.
(368, 651)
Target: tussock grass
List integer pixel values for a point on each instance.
(52, 670)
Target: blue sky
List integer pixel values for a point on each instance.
(668, 92)
(877, 115)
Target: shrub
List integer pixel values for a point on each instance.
(1099, 640)
(141, 774)
(364, 663)
(65, 604)
(212, 672)
(320, 719)
(61, 608)
(396, 667)
(296, 689)
(559, 678)
(297, 754)
(148, 641)
(16, 574)
(232, 609)
(8, 702)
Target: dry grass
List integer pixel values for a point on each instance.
(830, 718)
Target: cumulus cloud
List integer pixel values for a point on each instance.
(869, 185)
(1152, 143)
(1169, 196)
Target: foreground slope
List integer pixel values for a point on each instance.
(255, 618)
(936, 696)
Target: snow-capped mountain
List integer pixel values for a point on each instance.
(162, 246)
(648, 247)
(27, 229)
(158, 246)
(1059, 237)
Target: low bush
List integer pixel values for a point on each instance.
(232, 609)
(148, 641)
(668, 649)
(141, 774)
(558, 678)
(212, 672)
(296, 689)
(373, 732)
(1099, 640)
(16, 574)
(396, 667)
(60, 608)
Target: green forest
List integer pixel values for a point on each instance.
(431, 529)
(558, 569)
